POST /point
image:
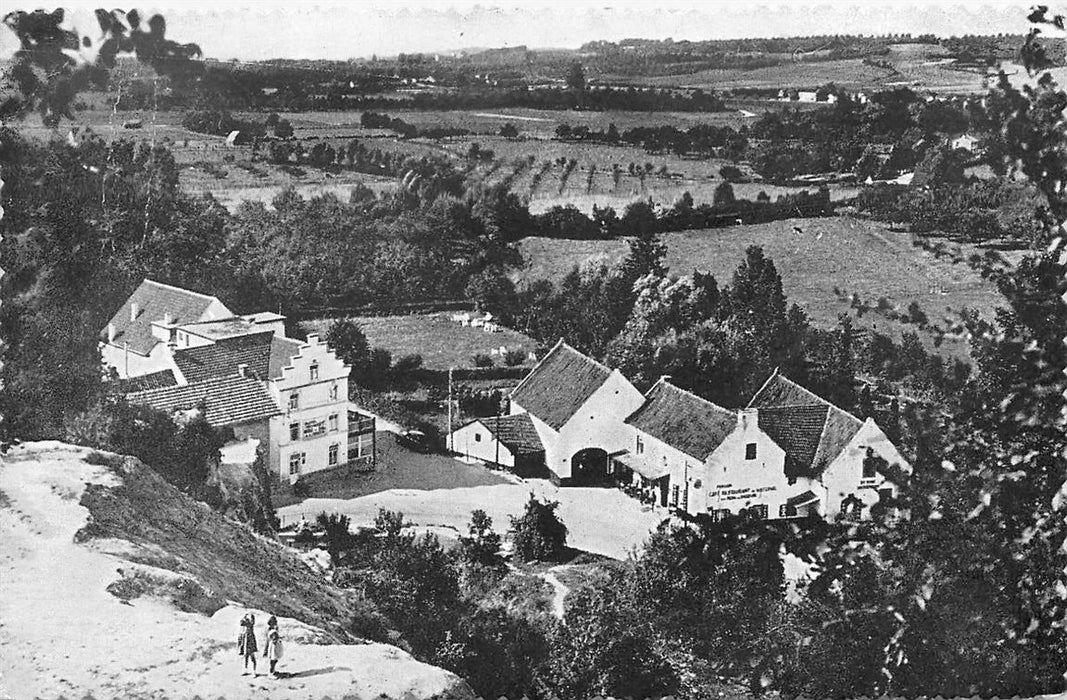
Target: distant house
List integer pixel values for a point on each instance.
(967, 142)
(176, 350)
(509, 441)
(578, 408)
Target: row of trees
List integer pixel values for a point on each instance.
(644, 217)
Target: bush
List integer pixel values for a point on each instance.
(514, 357)
(539, 535)
(731, 173)
(482, 546)
(482, 359)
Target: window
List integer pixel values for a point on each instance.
(333, 454)
(759, 511)
(640, 447)
(786, 511)
(314, 428)
(750, 450)
(477, 437)
(333, 393)
(296, 462)
(674, 495)
(333, 423)
(294, 401)
(885, 494)
(314, 371)
(294, 431)
(870, 464)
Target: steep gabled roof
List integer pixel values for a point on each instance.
(839, 430)
(154, 300)
(559, 384)
(515, 432)
(683, 420)
(791, 411)
(155, 380)
(797, 430)
(221, 358)
(227, 400)
(781, 391)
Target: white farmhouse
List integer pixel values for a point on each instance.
(176, 350)
(134, 343)
(578, 408)
(848, 463)
(510, 442)
(672, 434)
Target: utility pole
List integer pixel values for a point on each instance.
(450, 410)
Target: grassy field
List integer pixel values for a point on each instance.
(593, 181)
(918, 65)
(442, 342)
(853, 255)
(235, 174)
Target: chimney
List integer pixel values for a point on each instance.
(111, 332)
(313, 339)
(747, 417)
(168, 318)
(135, 309)
(242, 370)
(665, 378)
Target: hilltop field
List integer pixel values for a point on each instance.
(850, 255)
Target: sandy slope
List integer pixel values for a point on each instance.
(63, 634)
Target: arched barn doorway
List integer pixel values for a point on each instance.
(589, 466)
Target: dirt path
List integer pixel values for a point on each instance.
(559, 590)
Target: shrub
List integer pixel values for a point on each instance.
(539, 535)
(514, 357)
(482, 359)
(407, 364)
(731, 173)
(336, 533)
(482, 545)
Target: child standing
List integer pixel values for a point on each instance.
(246, 642)
(273, 650)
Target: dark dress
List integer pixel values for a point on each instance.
(246, 642)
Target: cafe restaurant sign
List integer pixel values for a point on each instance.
(727, 493)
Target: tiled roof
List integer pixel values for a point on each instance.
(221, 358)
(282, 351)
(516, 432)
(560, 383)
(155, 380)
(154, 300)
(797, 430)
(839, 430)
(683, 420)
(780, 391)
(790, 409)
(227, 400)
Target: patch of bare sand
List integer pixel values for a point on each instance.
(64, 635)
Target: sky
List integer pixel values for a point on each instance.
(341, 30)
